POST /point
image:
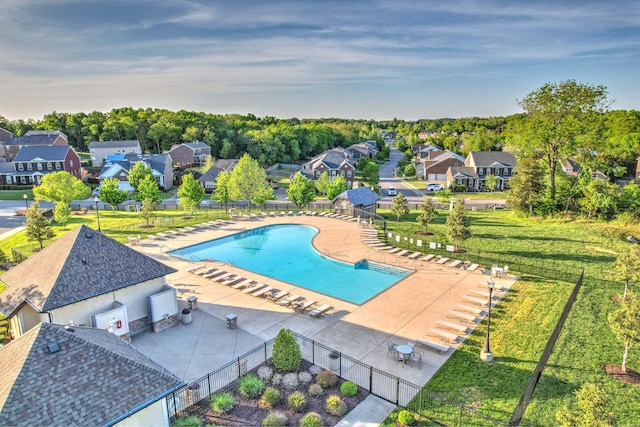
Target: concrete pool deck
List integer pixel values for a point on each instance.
(402, 313)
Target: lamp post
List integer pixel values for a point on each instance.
(486, 354)
(26, 200)
(95, 199)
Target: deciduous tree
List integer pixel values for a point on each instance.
(491, 182)
(110, 192)
(626, 268)
(249, 181)
(222, 191)
(592, 405)
(147, 211)
(625, 324)
(400, 206)
(191, 193)
(61, 187)
(323, 183)
(138, 172)
(301, 191)
(458, 224)
(336, 187)
(61, 214)
(148, 189)
(427, 214)
(37, 226)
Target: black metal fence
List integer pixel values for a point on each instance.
(379, 383)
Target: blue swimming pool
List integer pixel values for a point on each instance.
(285, 253)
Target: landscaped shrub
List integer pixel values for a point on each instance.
(290, 381)
(222, 402)
(275, 419)
(265, 373)
(349, 389)
(192, 421)
(311, 420)
(297, 401)
(251, 386)
(276, 379)
(327, 379)
(270, 398)
(335, 406)
(315, 390)
(305, 377)
(316, 369)
(406, 418)
(286, 352)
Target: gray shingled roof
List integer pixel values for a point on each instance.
(94, 379)
(81, 265)
(196, 144)
(487, 158)
(34, 139)
(361, 196)
(5, 135)
(156, 161)
(48, 153)
(114, 144)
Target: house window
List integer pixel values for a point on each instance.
(49, 167)
(58, 166)
(504, 171)
(349, 173)
(39, 166)
(71, 163)
(20, 167)
(23, 180)
(29, 167)
(333, 173)
(342, 173)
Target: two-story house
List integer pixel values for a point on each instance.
(33, 138)
(335, 162)
(161, 168)
(99, 150)
(367, 149)
(478, 165)
(33, 162)
(189, 153)
(208, 179)
(435, 168)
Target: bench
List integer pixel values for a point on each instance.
(454, 326)
(455, 263)
(442, 348)
(443, 334)
(463, 316)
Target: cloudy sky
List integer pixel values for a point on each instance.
(371, 59)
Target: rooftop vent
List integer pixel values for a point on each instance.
(88, 234)
(53, 347)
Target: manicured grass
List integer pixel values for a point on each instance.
(523, 321)
(16, 195)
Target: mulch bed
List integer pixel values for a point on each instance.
(630, 377)
(247, 413)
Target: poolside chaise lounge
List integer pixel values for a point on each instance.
(301, 307)
(449, 336)
(428, 257)
(442, 348)
(232, 280)
(290, 299)
(317, 312)
(455, 263)
(442, 260)
(414, 255)
(214, 274)
(253, 288)
(452, 325)
(475, 300)
(463, 316)
(204, 271)
(394, 250)
(264, 290)
(194, 268)
(402, 252)
(162, 235)
(225, 276)
(472, 267)
(470, 309)
(277, 295)
(243, 284)
(382, 248)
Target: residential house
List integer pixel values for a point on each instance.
(478, 165)
(208, 179)
(99, 150)
(336, 161)
(435, 168)
(5, 135)
(7, 170)
(39, 138)
(33, 162)
(161, 167)
(75, 376)
(353, 202)
(367, 149)
(570, 166)
(189, 153)
(117, 168)
(426, 151)
(86, 278)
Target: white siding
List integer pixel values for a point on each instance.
(135, 297)
(153, 415)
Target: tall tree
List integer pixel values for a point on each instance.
(491, 182)
(626, 268)
(625, 324)
(458, 224)
(336, 187)
(249, 180)
(61, 214)
(138, 172)
(526, 186)
(427, 214)
(110, 192)
(191, 193)
(371, 174)
(37, 226)
(148, 189)
(557, 117)
(400, 206)
(301, 191)
(147, 211)
(323, 183)
(222, 190)
(61, 187)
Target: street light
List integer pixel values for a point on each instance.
(26, 200)
(486, 354)
(95, 199)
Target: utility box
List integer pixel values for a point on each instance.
(192, 303)
(232, 321)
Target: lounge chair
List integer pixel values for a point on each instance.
(455, 263)
(214, 274)
(402, 252)
(289, 300)
(317, 312)
(204, 271)
(382, 248)
(442, 260)
(394, 250)
(301, 307)
(414, 255)
(252, 289)
(277, 296)
(225, 276)
(428, 257)
(472, 267)
(262, 291)
(232, 279)
(194, 268)
(242, 284)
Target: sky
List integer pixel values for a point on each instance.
(405, 59)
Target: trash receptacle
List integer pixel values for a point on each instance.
(186, 316)
(232, 321)
(192, 302)
(335, 360)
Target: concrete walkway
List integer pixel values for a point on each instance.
(370, 412)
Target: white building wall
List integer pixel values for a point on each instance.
(153, 415)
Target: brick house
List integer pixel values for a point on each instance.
(33, 162)
(336, 161)
(38, 138)
(478, 165)
(189, 153)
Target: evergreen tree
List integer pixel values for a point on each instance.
(286, 352)
(526, 186)
(458, 224)
(37, 226)
(191, 193)
(592, 404)
(427, 214)
(222, 190)
(301, 191)
(400, 206)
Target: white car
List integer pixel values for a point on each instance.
(391, 191)
(435, 187)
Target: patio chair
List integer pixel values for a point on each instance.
(320, 310)
(417, 358)
(391, 349)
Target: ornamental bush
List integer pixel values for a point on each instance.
(265, 373)
(315, 390)
(348, 389)
(222, 402)
(297, 401)
(275, 419)
(305, 377)
(251, 386)
(290, 381)
(311, 420)
(406, 418)
(335, 406)
(276, 379)
(192, 421)
(270, 398)
(286, 352)
(327, 379)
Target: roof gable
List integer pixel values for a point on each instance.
(36, 138)
(487, 158)
(81, 265)
(42, 153)
(99, 377)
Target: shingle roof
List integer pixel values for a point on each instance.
(47, 153)
(54, 133)
(5, 135)
(35, 139)
(78, 266)
(210, 175)
(114, 144)
(463, 172)
(6, 168)
(488, 158)
(95, 378)
(156, 161)
(361, 196)
(196, 144)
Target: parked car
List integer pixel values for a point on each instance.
(435, 187)
(391, 191)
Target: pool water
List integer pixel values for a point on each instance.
(285, 253)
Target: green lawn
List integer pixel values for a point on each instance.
(16, 194)
(523, 321)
